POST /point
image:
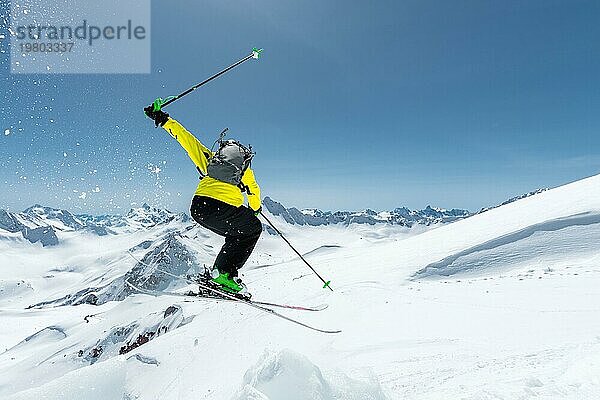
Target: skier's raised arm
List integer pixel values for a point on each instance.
(199, 153)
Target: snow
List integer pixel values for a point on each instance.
(6, 132)
(154, 169)
(287, 375)
(503, 304)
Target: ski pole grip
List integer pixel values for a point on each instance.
(256, 53)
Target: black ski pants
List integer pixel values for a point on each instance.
(240, 227)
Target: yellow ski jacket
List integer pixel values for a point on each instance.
(210, 187)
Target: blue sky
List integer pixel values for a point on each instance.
(354, 105)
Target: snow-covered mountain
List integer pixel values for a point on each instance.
(399, 216)
(502, 304)
(29, 225)
(144, 217)
(41, 224)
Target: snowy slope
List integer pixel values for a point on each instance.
(503, 304)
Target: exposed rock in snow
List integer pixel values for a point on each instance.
(34, 230)
(88, 343)
(9, 222)
(123, 339)
(43, 234)
(145, 360)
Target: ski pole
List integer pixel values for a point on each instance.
(326, 283)
(160, 103)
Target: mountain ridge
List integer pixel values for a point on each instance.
(41, 223)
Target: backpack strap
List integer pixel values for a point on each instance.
(202, 174)
(244, 188)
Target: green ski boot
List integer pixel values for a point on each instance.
(228, 284)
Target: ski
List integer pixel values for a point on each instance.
(265, 309)
(247, 302)
(227, 297)
(319, 307)
(192, 295)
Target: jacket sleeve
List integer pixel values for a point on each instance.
(199, 153)
(253, 191)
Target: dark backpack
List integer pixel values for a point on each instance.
(230, 162)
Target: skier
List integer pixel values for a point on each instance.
(218, 202)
